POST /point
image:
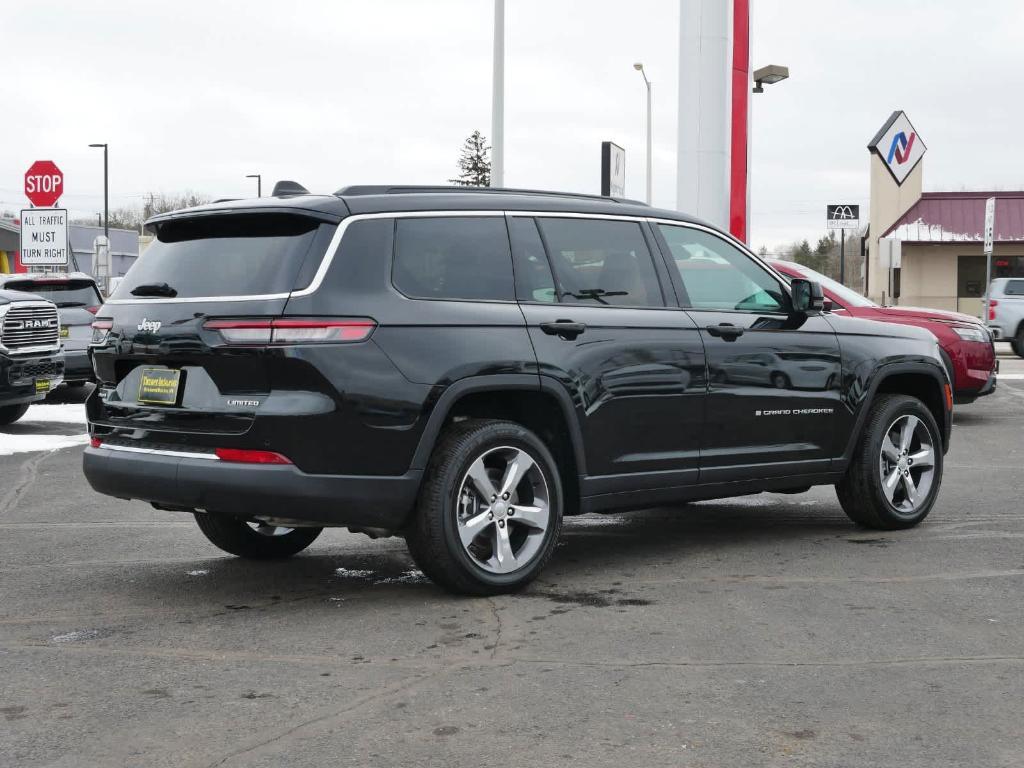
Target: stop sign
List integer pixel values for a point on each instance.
(44, 183)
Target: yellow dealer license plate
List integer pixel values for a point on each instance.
(159, 386)
(42, 385)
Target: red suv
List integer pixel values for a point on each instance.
(966, 344)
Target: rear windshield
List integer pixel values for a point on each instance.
(243, 255)
(64, 293)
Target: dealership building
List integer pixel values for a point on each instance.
(927, 248)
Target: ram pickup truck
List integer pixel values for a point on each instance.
(31, 359)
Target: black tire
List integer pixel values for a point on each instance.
(860, 491)
(239, 538)
(780, 380)
(433, 536)
(11, 413)
(1017, 342)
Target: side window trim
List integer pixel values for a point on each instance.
(743, 250)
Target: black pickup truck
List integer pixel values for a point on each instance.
(31, 358)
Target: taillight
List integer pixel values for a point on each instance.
(100, 331)
(292, 330)
(94, 310)
(992, 304)
(243, 456)
(95, 442)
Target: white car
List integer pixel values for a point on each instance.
(1006, 311)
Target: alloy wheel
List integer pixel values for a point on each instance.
(503, 510)
(906, 464)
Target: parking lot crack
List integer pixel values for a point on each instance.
(27, 474)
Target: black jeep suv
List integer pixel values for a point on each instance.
(464, 368)
(31, 358)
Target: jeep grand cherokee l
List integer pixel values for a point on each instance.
(464, 368)
(31, 360)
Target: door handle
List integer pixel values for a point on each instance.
(726, 331)
(566, 329)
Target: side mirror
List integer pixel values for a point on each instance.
(807, 295)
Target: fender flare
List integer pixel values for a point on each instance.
(934, 369)
(496, 383)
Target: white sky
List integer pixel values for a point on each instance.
(194, 95)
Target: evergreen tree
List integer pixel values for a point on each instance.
(474, 163)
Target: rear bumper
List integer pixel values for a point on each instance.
(253, 490)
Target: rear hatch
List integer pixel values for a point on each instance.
(167, 368)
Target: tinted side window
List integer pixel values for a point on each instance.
(717, 275)
(1014, 288)
(601, 262)
(533, 273)
(453, 257)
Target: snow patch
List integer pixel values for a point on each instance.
(11, 444)
(413, 576)
(77, 635)
(352, 573)
(62, 413)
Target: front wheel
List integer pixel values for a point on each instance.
(11, 413)
(255, 541)
(894, 477)
(490, 510)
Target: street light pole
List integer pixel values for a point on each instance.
(259, 182)
(498, 98)
(640, 68)
(106, 189)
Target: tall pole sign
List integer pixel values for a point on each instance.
(990, 228)
(44, 227)
(842, 217)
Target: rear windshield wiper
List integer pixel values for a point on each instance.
(63, 304)
(153, 289)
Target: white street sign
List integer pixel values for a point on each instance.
(990, 223)
(44, 237)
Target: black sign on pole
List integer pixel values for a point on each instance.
(842, 216)
(613, 170)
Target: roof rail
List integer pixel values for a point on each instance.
(359, 190)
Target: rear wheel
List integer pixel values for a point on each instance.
(490, 510)
(11, 413)
(256, 541)
(896, 471)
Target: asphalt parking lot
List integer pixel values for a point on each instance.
(765, 630)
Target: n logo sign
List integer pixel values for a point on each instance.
(898, 146)
(901, 147)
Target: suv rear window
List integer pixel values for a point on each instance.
(63, 293)
(453, 257)
(225, 255)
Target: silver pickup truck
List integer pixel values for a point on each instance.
(1006, 313)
